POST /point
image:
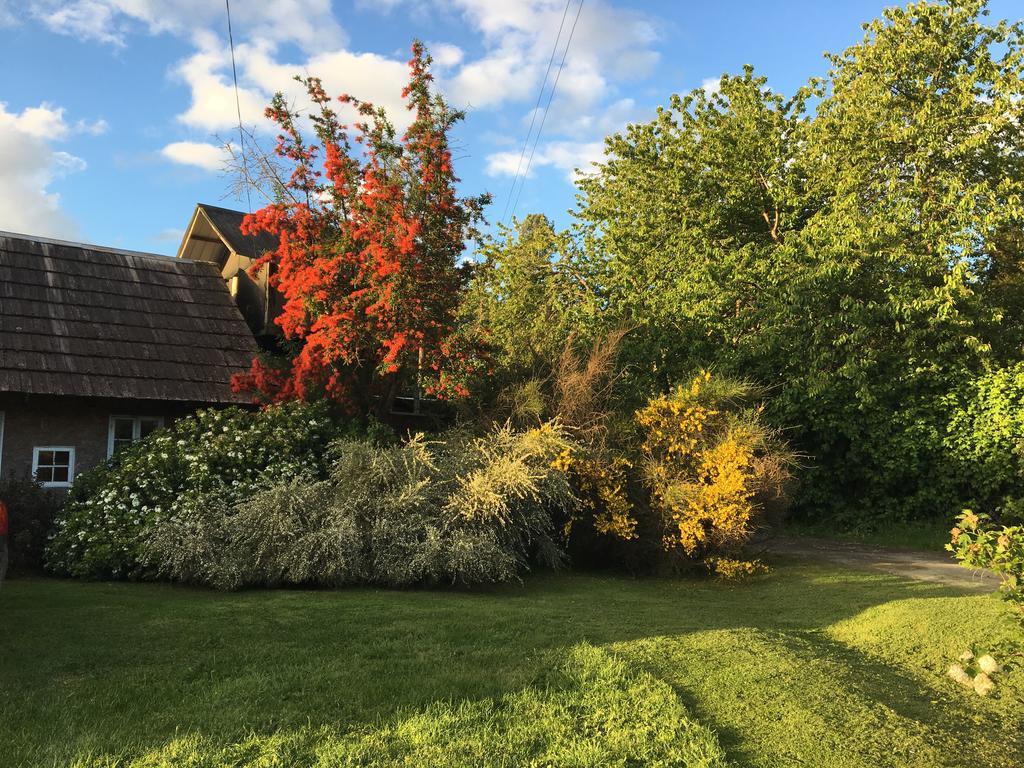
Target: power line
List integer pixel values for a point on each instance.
(547, 107)
(238, 109)
(536, 109)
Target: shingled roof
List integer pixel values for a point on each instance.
(228, 224)
(99, 322)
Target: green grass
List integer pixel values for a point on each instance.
(923, 535)
(808, 666)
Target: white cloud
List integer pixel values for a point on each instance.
(8, 18)
(213, 107)
(307, 23)
(209, 157)
(446, 55)
(608, 44)
(506, 164)
(47, 122)
(169, 235)
(90, 19)
(275, 40)
(31, 165)
(368, 76)
(571, 157)
(711, 86)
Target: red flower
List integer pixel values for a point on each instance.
(368, 244)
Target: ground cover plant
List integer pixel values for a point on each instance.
(807, 665)
(291, 495)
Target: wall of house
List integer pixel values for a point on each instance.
(83, 423)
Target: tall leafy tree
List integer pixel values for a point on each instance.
(854, 247)
(528, 295)
(369, 235)
(685, 219)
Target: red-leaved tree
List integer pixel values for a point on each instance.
(369, 237)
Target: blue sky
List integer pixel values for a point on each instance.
(113, 112)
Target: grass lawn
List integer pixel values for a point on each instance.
(809, 666)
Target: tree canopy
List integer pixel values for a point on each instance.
(855, 247)
(370, 235)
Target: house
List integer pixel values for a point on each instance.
(99, 346)
(214, 235)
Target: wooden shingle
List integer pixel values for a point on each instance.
(95, 322)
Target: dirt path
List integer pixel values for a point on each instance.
(923, 566)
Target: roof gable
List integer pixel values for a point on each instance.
(226, 225)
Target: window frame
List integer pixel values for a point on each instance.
(3, 420)
(136, 428)
(37, 449)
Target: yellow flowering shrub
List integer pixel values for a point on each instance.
(601, 485)
(734, 570)
(709, 465)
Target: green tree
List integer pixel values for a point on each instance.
(859, 258)
(527, 296)
(683, 223)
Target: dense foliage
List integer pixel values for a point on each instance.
(211, 459)
(367, 262)
(985, 440)
(855, 249)
(457, 509)
(712, 468)
(31, 510)
(527, 298)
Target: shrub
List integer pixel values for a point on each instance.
(31, 510)
(461, 509)
(979, 543)
(711, 466)
(985, 437)
(207, 461)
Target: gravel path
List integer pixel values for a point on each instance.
(923, 566)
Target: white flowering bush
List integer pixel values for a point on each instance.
(210, 460)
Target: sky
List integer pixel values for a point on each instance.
(114, 113)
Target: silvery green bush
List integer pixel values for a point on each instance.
(455, 509)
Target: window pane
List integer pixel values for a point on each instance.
(61, 458)
(60, 474)
(123, 429)
(45, 458)
(118, 444)
(146, 426)
(44, 475)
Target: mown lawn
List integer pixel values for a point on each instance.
(809, 666)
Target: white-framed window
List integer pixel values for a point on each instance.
(53, 466)
(125, 430)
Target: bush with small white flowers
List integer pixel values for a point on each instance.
(214, 458)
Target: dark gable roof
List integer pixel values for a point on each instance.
(99, 322)
(228, 224)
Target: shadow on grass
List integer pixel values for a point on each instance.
(115, 664)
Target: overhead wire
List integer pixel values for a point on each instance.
(238, 109)
(547, 107)
(536, 109)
